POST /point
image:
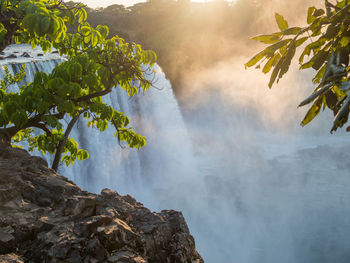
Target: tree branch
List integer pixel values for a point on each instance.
(94, 95)
(97, 94)
(35, 122)
(62, 142)
(43, 127)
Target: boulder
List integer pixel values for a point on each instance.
(11, 56)
(25, 54)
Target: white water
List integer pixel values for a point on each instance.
(249, 194)
(167, 158)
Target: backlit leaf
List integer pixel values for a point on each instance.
(281, 22)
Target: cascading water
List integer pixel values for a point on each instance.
(155, 114)
(251, 193)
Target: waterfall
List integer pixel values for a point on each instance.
(147, 173)
(167, 156)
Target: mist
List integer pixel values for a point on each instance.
(268, 189)
(273, 191)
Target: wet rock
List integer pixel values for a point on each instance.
(25, 54)
(54, 52)
(11, 56)
(40, 54)
(44, 217)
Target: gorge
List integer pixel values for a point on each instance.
(250, 190)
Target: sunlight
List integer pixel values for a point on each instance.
(205, 1)
(105, 3)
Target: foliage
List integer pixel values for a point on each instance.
(94, 66)
(327, 53)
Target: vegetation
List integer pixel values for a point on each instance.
(95, 65)
(327, 52)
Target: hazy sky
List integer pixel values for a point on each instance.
(105, 3)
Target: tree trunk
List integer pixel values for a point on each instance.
(62, 143)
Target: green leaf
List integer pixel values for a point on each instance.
(287, 59)
(310, 17)
(332, 31)
(19, 118)
(313, 112)
(344, 42)
(271, 62)
(314, 46)
(255, 59)
(85, 30)
(320, 74)
(82, 15)
(292, 31)
(275, 72)
(281, 22)
(320, 59)
(318, 12)
(104, 31)
(301, 41)
(75, 70)
(268, 39)
(271, 49)
(331, 100)
(342, 115)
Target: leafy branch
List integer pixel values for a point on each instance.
(328, 55)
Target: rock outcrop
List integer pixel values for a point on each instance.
(44, 217)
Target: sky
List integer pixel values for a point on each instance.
(105, 3)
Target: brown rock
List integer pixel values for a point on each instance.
(11, 258)
(126, 256)
(46, 218)
(7, 240)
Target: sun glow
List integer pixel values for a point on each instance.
(105, 3)
(206, 1)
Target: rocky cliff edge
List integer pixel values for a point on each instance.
(44, 217)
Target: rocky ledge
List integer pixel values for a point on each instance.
(44, 217)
